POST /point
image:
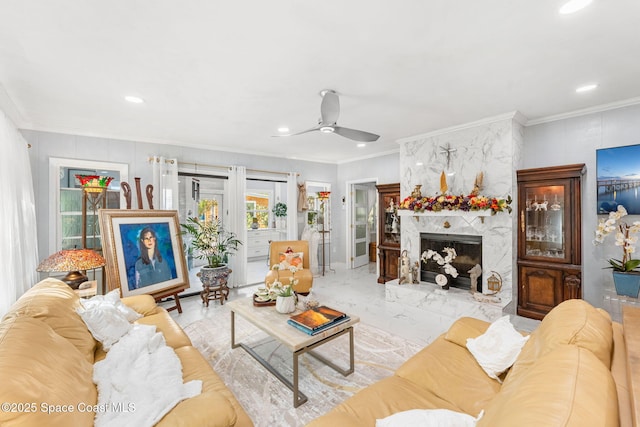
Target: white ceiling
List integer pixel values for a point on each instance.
(226, 75)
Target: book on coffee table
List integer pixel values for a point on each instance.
(317, 319)
(318, 330)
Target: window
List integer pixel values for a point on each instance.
(65, 213)
(258, 206)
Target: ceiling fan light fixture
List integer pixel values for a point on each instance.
(283, 129)
(327, 129)
(573, 6)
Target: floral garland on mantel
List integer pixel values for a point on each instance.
(446, 202)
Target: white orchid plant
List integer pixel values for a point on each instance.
(445, 262)
(281, 289)
(624, 238)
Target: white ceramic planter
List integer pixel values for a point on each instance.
(286, 304)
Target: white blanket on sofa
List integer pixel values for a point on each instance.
(139, 380)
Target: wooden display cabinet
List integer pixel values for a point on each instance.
(549, 238)
(389, 231)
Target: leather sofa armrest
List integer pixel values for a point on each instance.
(143, 304)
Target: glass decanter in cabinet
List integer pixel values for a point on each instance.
(389, 231)
(549, 238)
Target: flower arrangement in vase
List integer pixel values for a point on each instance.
(625, 276)
(445, 262)
(280, 212)
(285, 295)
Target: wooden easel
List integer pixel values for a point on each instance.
(126, 189)
(171, 292)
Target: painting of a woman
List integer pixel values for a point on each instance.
(150, 267)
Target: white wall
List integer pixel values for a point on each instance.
(45, 145)
(383, 170)
(575, 140)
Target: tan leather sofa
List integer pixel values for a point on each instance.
(571, 372)
(47, 356)
(304, 276)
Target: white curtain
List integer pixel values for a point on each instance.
(236, 223)
(292, 202)
(18, 238)
(165, 183)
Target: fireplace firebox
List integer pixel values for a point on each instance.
(469, 254)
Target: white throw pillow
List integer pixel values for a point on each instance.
(498, 348)
(112, 298)
(105, 322)
(428, 417)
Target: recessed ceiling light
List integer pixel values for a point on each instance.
(573, 6)
(134, 99)
(283, 129)
(361, 144)
(586, 88)
(419, 163)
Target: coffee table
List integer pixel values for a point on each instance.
(276, 326)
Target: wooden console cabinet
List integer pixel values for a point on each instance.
(549, 238)
(389, 231)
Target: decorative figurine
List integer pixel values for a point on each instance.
(392, 206)
(415, 273)
(477, 185)
(474, 273)
(405, 268)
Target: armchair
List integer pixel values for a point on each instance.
(277, 255)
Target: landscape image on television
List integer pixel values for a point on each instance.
(618, 179)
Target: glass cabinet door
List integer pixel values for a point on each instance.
(543, 220)
(391, 226)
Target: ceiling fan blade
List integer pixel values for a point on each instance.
(330, 107)
(299, 133)
(356, 135)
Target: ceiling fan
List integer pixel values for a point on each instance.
(329, 113)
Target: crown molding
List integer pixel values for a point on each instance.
(585, 111)
(514, 115)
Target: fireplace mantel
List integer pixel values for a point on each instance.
(468, 214)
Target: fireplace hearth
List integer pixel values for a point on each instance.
(469, 254)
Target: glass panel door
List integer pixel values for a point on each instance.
(361, 234)
(543, 222)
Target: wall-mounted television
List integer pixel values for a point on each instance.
(618, 179)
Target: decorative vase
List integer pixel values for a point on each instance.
(286, 305)
(627, 283)
(417, 193)
(214, 276)
(281, 223)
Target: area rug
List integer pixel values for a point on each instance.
(269, 402)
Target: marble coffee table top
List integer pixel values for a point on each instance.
(275, 324)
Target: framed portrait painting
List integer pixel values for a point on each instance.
(143, 251)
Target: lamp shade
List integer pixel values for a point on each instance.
(94, 182)
(72, 261)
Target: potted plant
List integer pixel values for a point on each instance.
(625, 276)
(210, 241)
(280, 212)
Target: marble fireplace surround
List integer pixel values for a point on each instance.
(492, 146)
